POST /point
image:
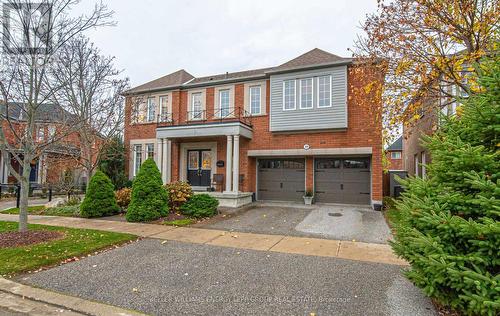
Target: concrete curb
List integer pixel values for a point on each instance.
(66, 301)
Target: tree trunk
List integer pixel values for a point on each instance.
(23, 201)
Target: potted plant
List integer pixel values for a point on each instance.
(308, 198)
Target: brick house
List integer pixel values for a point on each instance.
(55, 159)
(415, 156)
(271, 133)
(394, 155)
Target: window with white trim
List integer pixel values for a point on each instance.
(306, 93)
(415, 161)
(224, 103)
(52, 131)
(164, 115)
(424, 171)
(395, 155)
(324, 91)
(196, 106)
(40, 135)
(151, 107)
(255, 100)
(150, 151)
(289, 95)
(137, 158)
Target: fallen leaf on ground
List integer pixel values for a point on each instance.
(135, 290)
(163, 242)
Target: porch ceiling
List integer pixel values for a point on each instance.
(205, 129)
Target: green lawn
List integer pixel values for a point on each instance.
(77, 242)
(72, 210)
(180, 222)
(34, 210)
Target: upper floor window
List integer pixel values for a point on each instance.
(289, 95)
(196, 106)
(224, 105)
(306, 93)
(255, 100)
(164, 108)
(40, 133)
(395, 155)
(151, 106)
(324, 91)
(150, 150)
(52, 131)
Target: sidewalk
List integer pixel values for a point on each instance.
(19, 299)
(276, 243)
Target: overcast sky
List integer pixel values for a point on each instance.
(155, 37)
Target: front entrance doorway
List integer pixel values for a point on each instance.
(199, 168)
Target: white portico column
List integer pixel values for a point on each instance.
(167, 154)
(159, 157)
(236, 164)
(229, 167)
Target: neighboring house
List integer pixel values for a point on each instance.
(428, 121)
(394, 155)
(271, 133)
(56, 159)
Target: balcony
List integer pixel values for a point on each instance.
(203, 117)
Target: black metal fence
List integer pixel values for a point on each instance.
(45, 191)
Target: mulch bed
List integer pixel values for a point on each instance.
(17, 239)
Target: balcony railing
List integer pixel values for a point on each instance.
(202, 116)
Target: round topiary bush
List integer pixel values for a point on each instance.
(99, 198)
(200, 205)
(149, 198)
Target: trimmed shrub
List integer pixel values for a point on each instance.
(149, 199)
(123, 197)
(200, 205)
(100, 198)
(448, 225)
(178, 193)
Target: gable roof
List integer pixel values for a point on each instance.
(174, 79)
(181, 78)
(47, 112)
(313, 57)
(231, 75)
(397, 145)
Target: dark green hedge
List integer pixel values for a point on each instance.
(200, 205)
(149, 198)
(99, 198)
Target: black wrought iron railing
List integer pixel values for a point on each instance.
(203, 116)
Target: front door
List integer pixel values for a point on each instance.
(199, 167)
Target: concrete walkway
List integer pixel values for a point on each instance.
(19, 299)
(274, 243)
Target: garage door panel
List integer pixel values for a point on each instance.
(281, 179)
(342, 180)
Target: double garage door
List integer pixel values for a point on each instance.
(337, 180)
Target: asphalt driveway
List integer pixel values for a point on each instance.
(341, 222)
(175, 278)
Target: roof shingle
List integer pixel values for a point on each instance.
(179, 78)
(171, 80)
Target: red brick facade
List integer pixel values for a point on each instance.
(364, 130)
(395, 163)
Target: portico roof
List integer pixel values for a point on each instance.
(205, 129)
